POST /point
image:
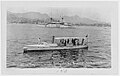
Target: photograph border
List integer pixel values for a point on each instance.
(62, 71)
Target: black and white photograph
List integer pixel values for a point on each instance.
(60, 34)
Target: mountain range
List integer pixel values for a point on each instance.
(37, 16)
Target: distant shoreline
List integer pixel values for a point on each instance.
(96, 25)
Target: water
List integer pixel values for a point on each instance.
(98, 54)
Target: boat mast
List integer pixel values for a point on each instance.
(51, 19)
(62, 16)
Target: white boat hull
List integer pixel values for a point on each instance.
(38, 48)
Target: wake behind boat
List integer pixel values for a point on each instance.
(58, 44)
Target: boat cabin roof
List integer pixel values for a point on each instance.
(68, 38)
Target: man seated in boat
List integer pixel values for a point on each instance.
(84, 40)
(39, 41)
(61, 42)
(75, 42)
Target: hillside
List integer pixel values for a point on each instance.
(38, 18)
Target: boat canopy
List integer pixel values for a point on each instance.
(68, 37)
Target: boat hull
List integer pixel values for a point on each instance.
(39, 49)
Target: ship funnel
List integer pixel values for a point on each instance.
(62, 19)
(51, 19)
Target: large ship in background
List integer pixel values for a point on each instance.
(58, 24)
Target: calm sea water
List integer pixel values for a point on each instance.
(98, 54)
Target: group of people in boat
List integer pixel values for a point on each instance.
(73, 41)
(66, 42)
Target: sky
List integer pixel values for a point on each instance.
(96, 10)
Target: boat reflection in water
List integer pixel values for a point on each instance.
(58, 59)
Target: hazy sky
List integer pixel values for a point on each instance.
(101, 11)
